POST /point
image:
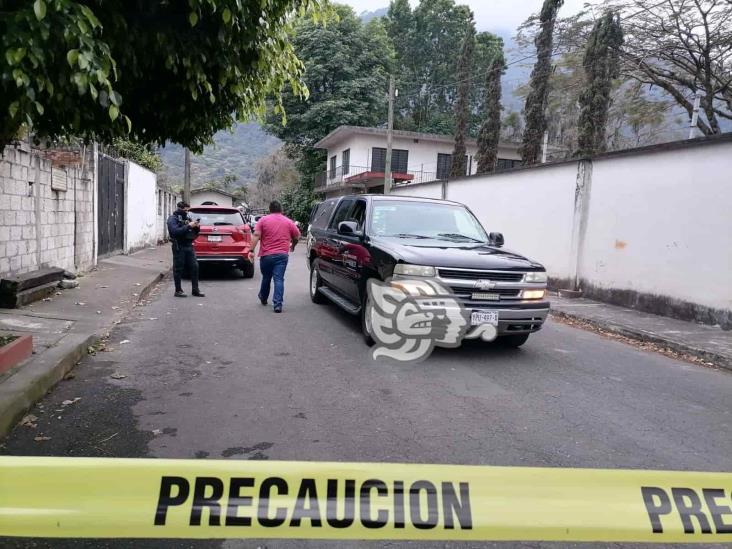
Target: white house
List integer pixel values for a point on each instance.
(220, 198)
(357, 156)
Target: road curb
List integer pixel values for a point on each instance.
(25, 387)
(722, 361)
(32, 381)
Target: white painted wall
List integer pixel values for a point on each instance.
(140, 208)
(532, 208)
(662, 224)
(211, 196)
(657, 222)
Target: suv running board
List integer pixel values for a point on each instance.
(339, 300)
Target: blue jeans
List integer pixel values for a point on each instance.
(273, 266)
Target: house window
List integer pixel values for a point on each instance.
(332, 166)
(506, 164)
(399, 160)
(346, 161)
(444, 165)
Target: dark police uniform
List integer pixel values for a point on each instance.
(184, 256)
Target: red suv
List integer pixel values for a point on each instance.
(225, 238)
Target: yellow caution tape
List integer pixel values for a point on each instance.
(158, 498)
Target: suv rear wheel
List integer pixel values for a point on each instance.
(315, 284)
(513, 341)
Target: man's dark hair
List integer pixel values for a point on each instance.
(275, 207)
(183, 204)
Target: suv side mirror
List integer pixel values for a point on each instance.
(495, 239)
(349, 228)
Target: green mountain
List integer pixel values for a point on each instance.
(233, 153)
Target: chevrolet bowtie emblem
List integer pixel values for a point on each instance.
(484, 285)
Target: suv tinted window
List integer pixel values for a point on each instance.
(321, 215)
(342, 212)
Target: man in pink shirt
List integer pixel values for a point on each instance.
(278, 236)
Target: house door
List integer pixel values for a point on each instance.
(111, 206)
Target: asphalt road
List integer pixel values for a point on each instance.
(225, 378)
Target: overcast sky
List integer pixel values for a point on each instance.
(490, 15)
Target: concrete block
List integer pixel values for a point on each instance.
(16, 233)
(2, 249)
(15, 264)
(4, 170)
(11, 249)
(27, 203)
(4, 266)
(4, 199)
(28, 260)
(4, 233)
(15, 203)
(29, 232)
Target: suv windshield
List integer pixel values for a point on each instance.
(217, 217)
(425, 220)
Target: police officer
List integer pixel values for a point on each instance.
(183, 231)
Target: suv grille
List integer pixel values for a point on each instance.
(498, 276)
(468, 292)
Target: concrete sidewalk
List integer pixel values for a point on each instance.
(67, 324)
(700, 341)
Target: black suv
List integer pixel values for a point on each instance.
(354, 238)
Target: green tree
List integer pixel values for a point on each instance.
(535, 107)
(346, 70)
(149, 71)
(427, 41)
(144, 155)
(465, 64)
(601, 68)
(490, 130)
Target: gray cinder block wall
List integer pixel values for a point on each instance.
(46, 211)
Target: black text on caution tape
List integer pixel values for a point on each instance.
(372, 503)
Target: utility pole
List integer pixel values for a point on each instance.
(187, 177)
(695, 115)
(389, 138)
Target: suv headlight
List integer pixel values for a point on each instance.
(405, 269)
(538, 277)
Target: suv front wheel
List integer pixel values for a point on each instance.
(366, 323)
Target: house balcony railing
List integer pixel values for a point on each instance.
(368, 176)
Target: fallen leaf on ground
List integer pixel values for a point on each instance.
(152, 318)
(29, 421)
(80, 303)
(39, 439)
(70, 375)
(138, 284)
(117, 375)
(124, 342)
(115, 308)
(99, 312)
(157, 432)
(46, 299)
(102, 286)
(70, 402)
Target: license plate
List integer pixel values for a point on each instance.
(484, 317)
(214, 238)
